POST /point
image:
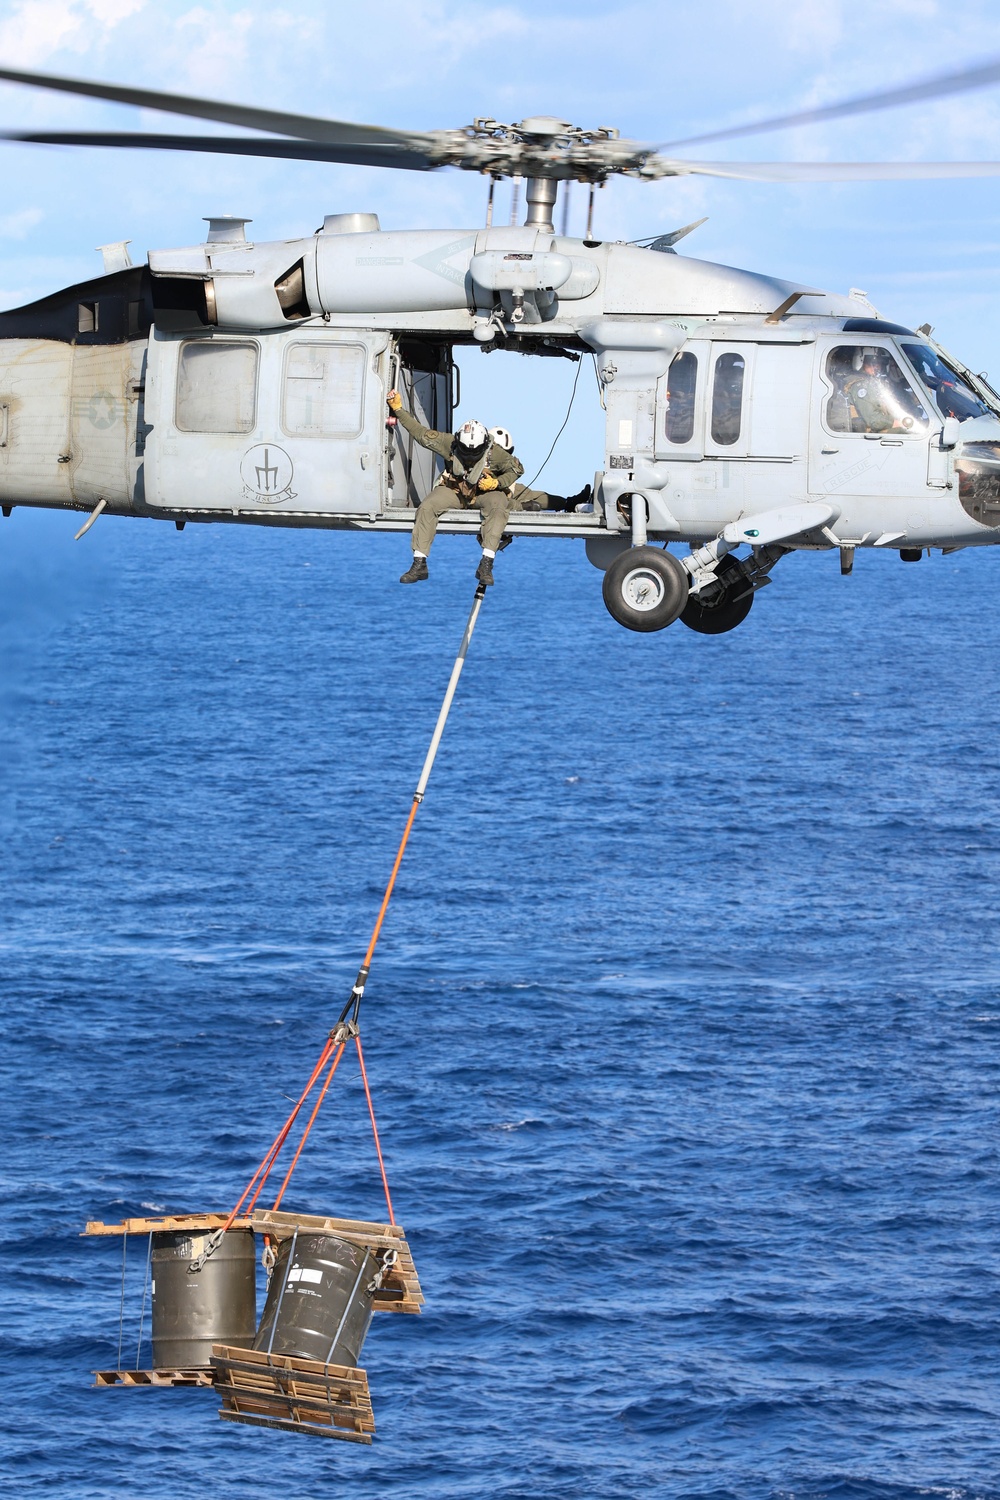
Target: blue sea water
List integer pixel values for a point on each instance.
(683, 1030)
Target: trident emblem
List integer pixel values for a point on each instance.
(264, 472)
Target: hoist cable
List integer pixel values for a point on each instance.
(354, 1003)
(572, 398)
(345, 1028)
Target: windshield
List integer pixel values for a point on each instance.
(953, 397)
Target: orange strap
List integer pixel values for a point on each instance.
(309, 1124)
(392, 881)
(378, 1148)
(263, 1171)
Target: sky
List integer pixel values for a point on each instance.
(656, 69)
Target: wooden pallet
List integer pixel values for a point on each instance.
(400, 1291)
(293, 1395)
(139, 1379)
(192, 1222)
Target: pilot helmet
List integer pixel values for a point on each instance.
(502, 438)
(861, 356)
(471, 439)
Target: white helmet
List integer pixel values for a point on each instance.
(472, 436)
(502, 438)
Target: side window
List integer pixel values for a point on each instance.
(323, 389)
(681, 380)
(216, 387)
(727, 398)
(870, 393)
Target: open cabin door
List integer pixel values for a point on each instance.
(276, 423)
(427, 378)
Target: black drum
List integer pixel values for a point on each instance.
(192, 1310)
(318, 1304)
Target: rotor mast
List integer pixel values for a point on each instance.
(540, 196)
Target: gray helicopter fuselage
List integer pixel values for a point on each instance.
(246, 382)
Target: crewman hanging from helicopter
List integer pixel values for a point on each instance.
(527, 499)
(477, 472)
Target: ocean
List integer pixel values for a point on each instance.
(682, 1031)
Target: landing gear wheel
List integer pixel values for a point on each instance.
(645, 589)
(724, 610)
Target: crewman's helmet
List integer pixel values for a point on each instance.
(502, 438)
(471, 440)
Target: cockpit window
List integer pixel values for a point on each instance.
(951, 394)
(681, 380)
(727, 398)
(870, 392)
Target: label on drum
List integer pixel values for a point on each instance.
(305, 1273)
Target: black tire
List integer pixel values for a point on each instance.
(725, 610)
(645, 589)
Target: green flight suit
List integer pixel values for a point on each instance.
(522, 497)
(457, 487)
(866, 394)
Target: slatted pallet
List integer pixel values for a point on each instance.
(138, 1379)
(293, 1395)
(166, 1222)
(400, 1291)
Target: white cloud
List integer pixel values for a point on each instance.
(113, 12)
(17, 225)
(38, 28)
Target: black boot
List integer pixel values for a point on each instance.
(485, 570)
(416, 572)
(582, 497)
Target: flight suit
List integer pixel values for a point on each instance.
(457, 489)
(867, 395)
(542, 500)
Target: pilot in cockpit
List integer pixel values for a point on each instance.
(870, 394)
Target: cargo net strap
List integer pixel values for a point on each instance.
(328, 1063)
(346, 1029)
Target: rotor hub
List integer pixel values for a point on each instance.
(540, 146)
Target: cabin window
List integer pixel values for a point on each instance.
(217, 387)
(323, 390)
(727, 398)
(681, 380)
(870, 393)
(86, 317)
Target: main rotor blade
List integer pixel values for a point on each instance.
(931, 88)
(832, 171)
(307, 127)
(225, 145)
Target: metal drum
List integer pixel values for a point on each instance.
(318, 1304)
(192, 1310)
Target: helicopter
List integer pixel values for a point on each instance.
(746, 417)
